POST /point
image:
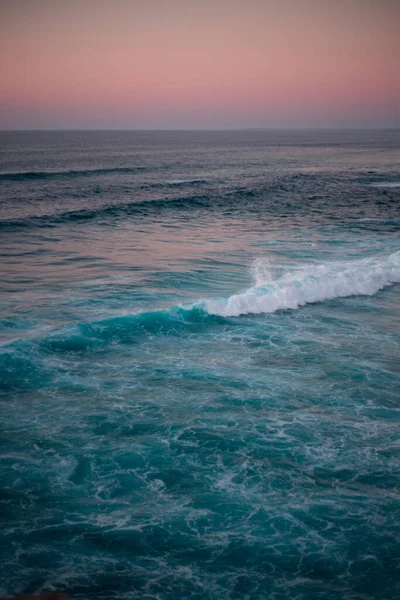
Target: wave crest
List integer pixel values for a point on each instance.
(24, 363)
(34, 175)
(309, 284)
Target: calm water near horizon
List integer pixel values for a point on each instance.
(200, 364)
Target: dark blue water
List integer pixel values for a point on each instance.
(199, 368)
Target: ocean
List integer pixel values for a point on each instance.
(199, 364)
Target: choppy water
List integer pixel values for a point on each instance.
(199, 367)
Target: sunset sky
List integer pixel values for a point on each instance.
(199, 64)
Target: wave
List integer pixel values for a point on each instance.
(112, 210)
(247, 198)
(310, 284)
(386, 184)
(33, 175)
(128, 329)
(182, 182)
(174, 184)
(24, 364)
(280, 198)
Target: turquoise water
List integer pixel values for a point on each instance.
(199, 367)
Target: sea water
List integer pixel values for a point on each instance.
(199, 364)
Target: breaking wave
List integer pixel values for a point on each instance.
(309, 284)
(23, 363)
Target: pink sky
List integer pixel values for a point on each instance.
(170, 64)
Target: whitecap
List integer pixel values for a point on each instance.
(386, 184)
(308, 284)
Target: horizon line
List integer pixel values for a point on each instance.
(189, 130)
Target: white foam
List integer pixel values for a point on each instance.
(389, 184)
(311, 283)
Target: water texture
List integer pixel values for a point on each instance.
(199, 365)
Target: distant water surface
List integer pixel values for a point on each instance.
(199, 365)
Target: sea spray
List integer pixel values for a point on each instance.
(307, 284)
(261, 271)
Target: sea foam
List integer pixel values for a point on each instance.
(307, 284)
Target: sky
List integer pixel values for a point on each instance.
(199, 64)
